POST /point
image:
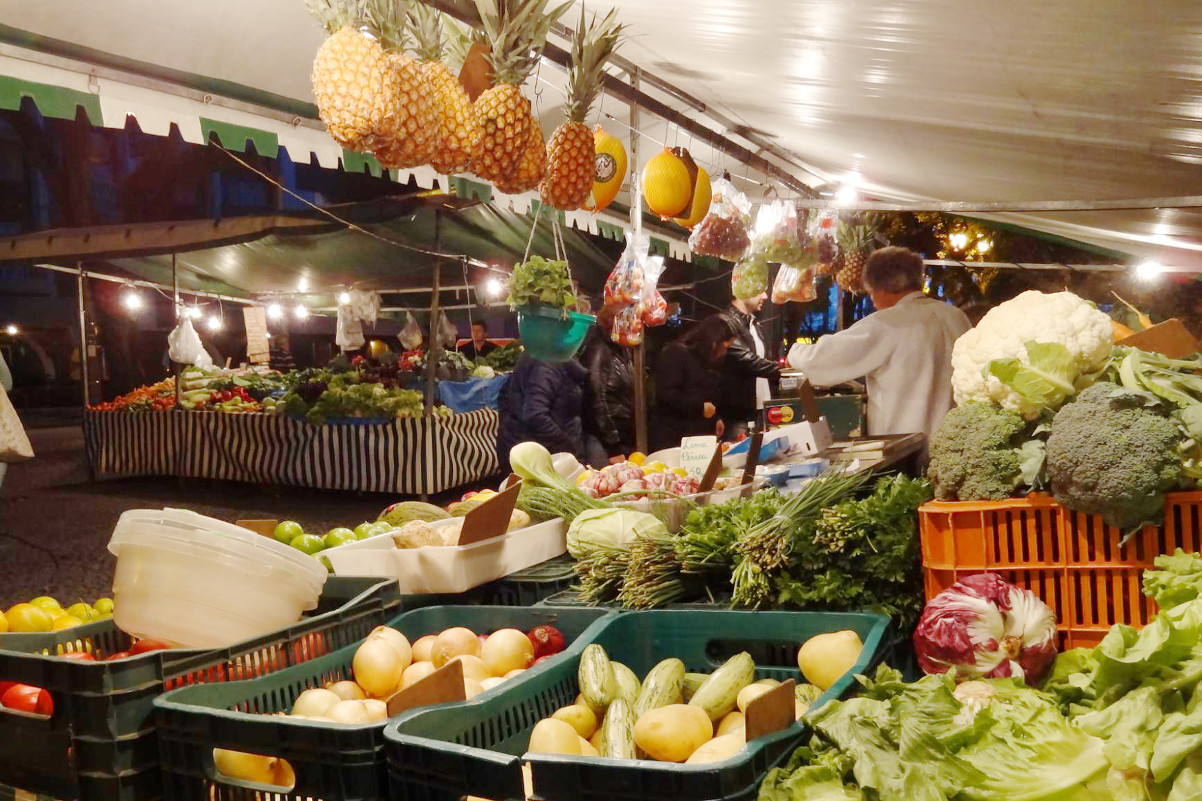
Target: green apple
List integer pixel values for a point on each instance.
(47, 603)
(381, 527)
(339, 536)
(288, 530)
(308, 543)
(104, 606)
(364, 530)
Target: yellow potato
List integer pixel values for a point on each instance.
(580, 718)
(672, 733)
(732, 721)
(586, 749)
(749, 694)
(553, 736)
(719, 748)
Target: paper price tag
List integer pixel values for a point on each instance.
(491, 518)
(772, 711)
(440, 687)
(696, 453)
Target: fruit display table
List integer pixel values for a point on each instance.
(403, 456)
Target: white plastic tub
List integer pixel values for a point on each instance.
(450, 568)
(196, 582)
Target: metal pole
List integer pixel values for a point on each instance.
(639, 355)
(83, 335)
(433, 350)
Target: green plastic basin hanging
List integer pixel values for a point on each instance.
(549, 335)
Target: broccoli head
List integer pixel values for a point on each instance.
(1114, 452)
(976, 453)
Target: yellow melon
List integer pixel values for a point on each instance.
(611, 168)
(667, 185)
(702, 197)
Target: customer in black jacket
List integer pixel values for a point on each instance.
(609, 403)
(687, 383)
(542, 402)
(749, 365)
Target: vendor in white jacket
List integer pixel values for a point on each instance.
(903, 349)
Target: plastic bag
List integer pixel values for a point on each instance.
(628, 326)
(447, 334)
(750, 278)
(777, 236)
(411, 334)
(184, 346)
(824, 231)
(794, 284)
(723, 232)
(349, 333)
(654, 307)
(624, 286)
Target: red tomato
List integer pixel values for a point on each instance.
(24, 698)
(117, 655)
(547, 640)
(80, 656)
(144, 645)
(4, 685)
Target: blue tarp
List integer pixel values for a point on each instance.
(471, 395)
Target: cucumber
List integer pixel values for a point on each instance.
(598, 684)
(628, 683)
(617, 732)
(691, 684)
(720, 691)
(661, 687)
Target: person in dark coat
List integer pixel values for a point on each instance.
(542, 402)
(609, 403)
(688, 383)
(749, 365)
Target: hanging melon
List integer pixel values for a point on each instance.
(702, 197)
(669, 180)
(611, 168)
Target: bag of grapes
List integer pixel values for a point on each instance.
(778, 235)
(750, 278)
(724, 231)
(824, 231)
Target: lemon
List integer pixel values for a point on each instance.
(104, 606)
(65, 622)
(680, 471)
(82, 611)
(3, 623)
(47, 603)
(583, 477)
(637, 457)
(26, 618)
(654, 467)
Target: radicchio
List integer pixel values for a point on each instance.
(985, 627)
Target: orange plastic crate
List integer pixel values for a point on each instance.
(1073, 561)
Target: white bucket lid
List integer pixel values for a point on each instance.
(187, 531)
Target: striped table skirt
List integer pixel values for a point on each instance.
(402, 457)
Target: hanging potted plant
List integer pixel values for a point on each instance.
(541, 292)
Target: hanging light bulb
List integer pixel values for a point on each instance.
(274, 311)
(301, 312)
(131, 300)
(984, 246)
(11, 329)
(494, 288)
(215, 323)
(344, 298)
(958, 240)
(1149, 270)
(192, 312)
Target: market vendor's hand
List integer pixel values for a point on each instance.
(708, 410)
(720, 429)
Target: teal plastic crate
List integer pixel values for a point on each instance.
(332, 762)
(100, 743)
(441, 754)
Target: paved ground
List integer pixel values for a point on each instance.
(55, 525)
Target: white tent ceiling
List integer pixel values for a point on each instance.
(927, 100)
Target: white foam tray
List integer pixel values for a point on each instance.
(451, 568)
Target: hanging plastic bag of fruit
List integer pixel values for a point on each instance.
(723, 232)
(824, 230)
(411, 334)
(627, 328)
(654, 307)
(624, 286)
(750, 278)
(794, 284)
(777, 238)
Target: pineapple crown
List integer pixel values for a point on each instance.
(426, 24)
(856, 238)
(390, 20)
(334, 14)
(458, 39)
(591, 46)
(516, 31)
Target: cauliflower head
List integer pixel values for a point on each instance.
(1060, 317)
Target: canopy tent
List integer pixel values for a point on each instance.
(978, 101)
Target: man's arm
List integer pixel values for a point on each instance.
(739, 359)
(840, 357)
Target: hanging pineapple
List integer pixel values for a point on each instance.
(516, 31)
(572, 154)
(531, 167)
(856, 243)
(456, 128)
(352, 81)
(414, 122)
